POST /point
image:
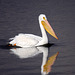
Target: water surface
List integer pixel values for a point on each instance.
(22, 17)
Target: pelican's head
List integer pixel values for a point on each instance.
(42, 17)
(46, 25)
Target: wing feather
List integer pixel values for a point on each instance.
(25, 40)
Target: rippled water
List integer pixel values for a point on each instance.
(21, 17)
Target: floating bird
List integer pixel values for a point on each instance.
(30, 40)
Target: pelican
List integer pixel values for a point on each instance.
(30, 40)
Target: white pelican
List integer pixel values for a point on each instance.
(29, 40)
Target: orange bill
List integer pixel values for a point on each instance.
(48, 28)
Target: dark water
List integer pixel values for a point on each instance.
(20, 16)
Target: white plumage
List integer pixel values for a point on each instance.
(30, 40)
(25, 40)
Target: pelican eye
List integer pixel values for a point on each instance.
(44, 18)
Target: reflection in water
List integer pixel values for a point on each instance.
(32, 51)
(49, 63)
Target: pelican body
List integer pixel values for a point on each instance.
(30, 40)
